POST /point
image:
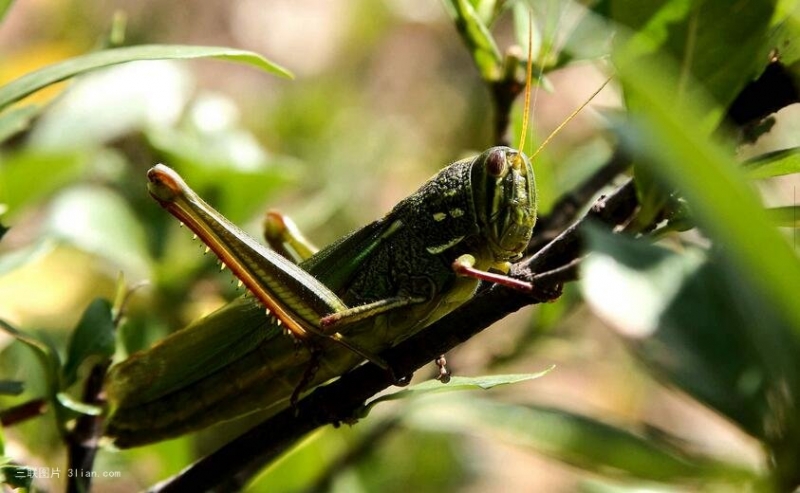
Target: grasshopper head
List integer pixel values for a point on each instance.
(504, 192)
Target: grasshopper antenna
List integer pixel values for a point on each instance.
(528, 75)
(569, 118)
(528, 91)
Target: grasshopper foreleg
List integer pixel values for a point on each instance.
(465, 266)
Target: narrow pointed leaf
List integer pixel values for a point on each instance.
(777, 163)
(93, 336)
(34, 81)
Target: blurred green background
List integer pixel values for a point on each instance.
(385, 95)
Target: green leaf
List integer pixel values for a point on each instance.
(787, 31)
(577, 440)
(93, 336)
(29, 176)
(101, 222)
(47, 357)
(709, 45)
(485, 10)
(477, 37)
(16, 120)
(699, 326)
(786, 217)
(106, 105)
(5, 6)
(227, 162)
(16, 476)
(524, 30)
(456, 384)
(11, 387)
(667, 134)
(299, 467)
(652, 196)
(34, 81)
(558, 27)
(776, 163)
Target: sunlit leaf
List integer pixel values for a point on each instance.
(776, 163)
(16, 120)
(478, 38)
(631, 284)
(5, 6)
(458, 384)
(786, 217)
(32, 82)
(227, 161)
(113, 103)
(99, 221)
(787, 31)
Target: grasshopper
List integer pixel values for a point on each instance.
(345, 304)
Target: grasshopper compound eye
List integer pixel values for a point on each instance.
(496, 163)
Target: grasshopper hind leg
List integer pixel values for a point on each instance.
(283, 236)
(308, 375)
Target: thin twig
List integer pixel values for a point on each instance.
(23, 412)
(83, 440)
(567, 208)
(560, 275)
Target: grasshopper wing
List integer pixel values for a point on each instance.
(336, 264)
(190, 354)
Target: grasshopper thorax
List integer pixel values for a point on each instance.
(504, 197)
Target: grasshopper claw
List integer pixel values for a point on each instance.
(444, 372)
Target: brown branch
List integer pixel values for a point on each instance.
(23, 412)
(504, 93)
(83, 440)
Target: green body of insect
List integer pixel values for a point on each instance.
(352, 300)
